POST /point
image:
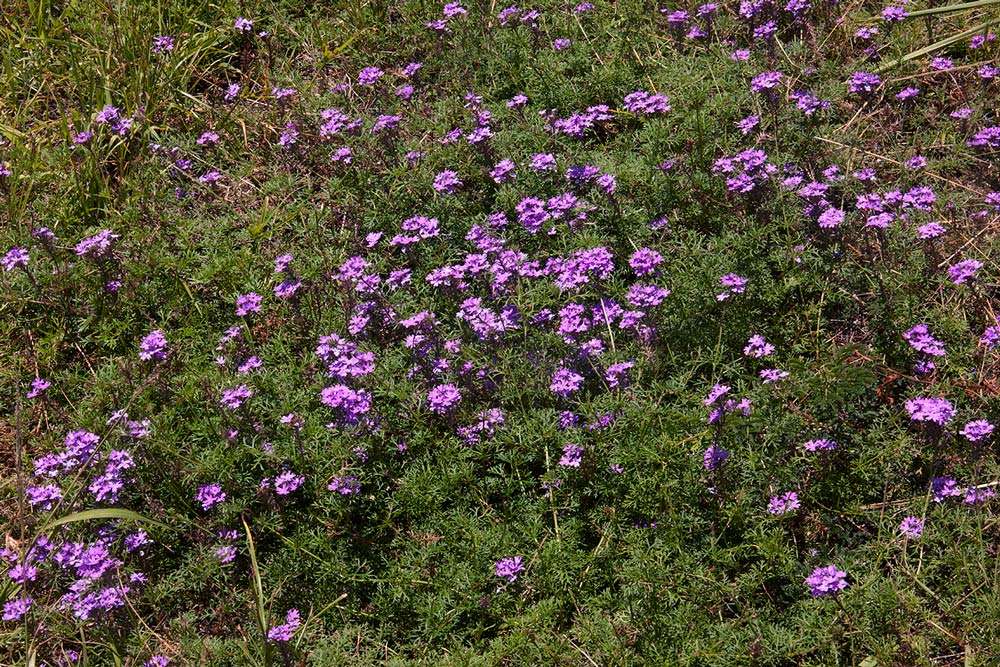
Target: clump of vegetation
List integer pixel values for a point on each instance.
(407, 333)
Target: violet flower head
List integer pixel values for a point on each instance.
(921, 340)
(772, 375)
(964, 271)
(826, 581)
(714, 457)
(443, 398)
(153, 346)
(644, 261)
(15, 609)
(210, 495)
(248, 303)
(911, 527)
(936, 410)
(647, 104)
(820, 445)
(97, 246)
(38, 387)
(565, 382)
(977, 430)
(757, 347)
(447, 182)
(863, 83)
(509, 568)
(572, 456)
(345, 485)
(284, 632)
(783, 503)
(15, 258)
(287, 482)
(234, 397)
(766, 81)
(733, 284)
(163, 44)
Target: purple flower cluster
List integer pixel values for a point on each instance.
(936, 410)
(509, 568)
(826, 581)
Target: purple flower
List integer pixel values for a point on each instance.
(14, 610)
(447, 182)
(285, 631)
(894, 14)
(15, 258)
(572, 456)
(644, 261)
(443, 398)
(930, 409)
(991, 337)
(287, 482)
(233, 398)
(97, 246)
(772, 375)
(911, 527)
(153, 346)
(345, 486)
(503, 171)
(820, 445)
(616, 375)
(944, 487)
(509, 568)
(757, 347)
(977, 430)
(543, 162)
(646, 296)
(826, 581)
(733, 284)
(863, 82)
(831, 218)
(45, 496)
(930, 230)
(964, 271)
(647, 104)
(38, 386)
(988, 137)
(163, 44)
(248, 303)
(921, 340)
(565, 382)
(717, 392)
(747, 125)
(243, 25)
(783, 503)
(351, 404)
(210, 495)
(208, 138)
(714, 457)
(766, 81)
(225, 553)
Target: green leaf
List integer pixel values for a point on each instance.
(102, 515)
(259, 590)
(948, 9)
(940, 44)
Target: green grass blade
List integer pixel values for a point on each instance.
(258, 593)
(948, 9)
(102, 515)
(940, 44)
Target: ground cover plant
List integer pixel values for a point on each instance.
(596, 333)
